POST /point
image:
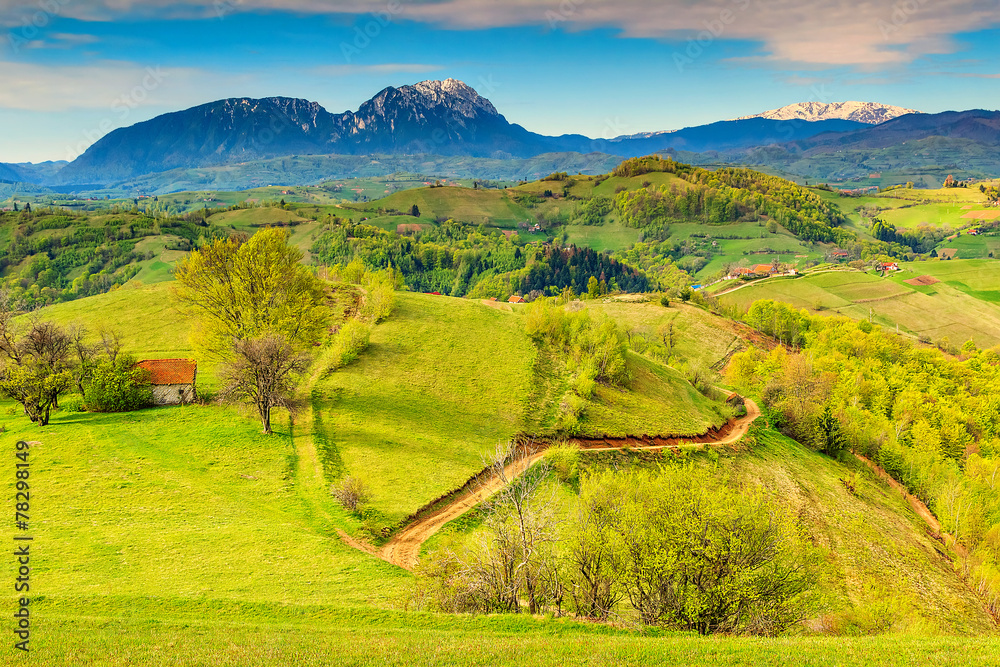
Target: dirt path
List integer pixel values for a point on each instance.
(403, 549)
(918, 506)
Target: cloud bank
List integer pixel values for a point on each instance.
(859, 33)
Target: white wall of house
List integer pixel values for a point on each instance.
(173, 394)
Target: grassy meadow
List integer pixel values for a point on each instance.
(185, 532)
(963, 305)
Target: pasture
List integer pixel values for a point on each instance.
(964, 305)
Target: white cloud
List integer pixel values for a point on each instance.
(816, 32)
(119, 87)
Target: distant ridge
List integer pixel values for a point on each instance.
(440, 118)
(870, 113)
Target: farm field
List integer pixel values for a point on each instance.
(493, 208)
(964, 305)
(610, 236)
(912, 208)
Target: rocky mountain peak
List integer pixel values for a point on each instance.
(871, 113)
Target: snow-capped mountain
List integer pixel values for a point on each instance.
(871, 113)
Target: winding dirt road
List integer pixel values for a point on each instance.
(403, 549)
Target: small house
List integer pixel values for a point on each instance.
(516, 299)
(890, 266)
(763, 269)
(173, 380)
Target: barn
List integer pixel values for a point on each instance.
(173, 380)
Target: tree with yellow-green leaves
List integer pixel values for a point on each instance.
(246, 288)
(260, 308)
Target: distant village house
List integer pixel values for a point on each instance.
(173, 380)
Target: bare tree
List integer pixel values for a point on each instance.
(593, 553)
(263, 373)
(515, 559)
(111, 341)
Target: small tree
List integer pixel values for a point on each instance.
(415, 211)
(351, 492)
(38, 369)
(262, 373)
(829, 437)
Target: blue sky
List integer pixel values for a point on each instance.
(72, 70)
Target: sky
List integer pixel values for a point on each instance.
(73, 70)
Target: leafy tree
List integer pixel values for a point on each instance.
(38, 367)
(251, 288)
(415, 211)
(694, 554)
(593, 288)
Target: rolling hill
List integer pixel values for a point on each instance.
(170, 525)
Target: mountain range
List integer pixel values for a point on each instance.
(869, 113)
(448, 120)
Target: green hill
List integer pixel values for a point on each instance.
(186, 528)
(960, 302)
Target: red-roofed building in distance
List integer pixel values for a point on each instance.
(173, 380)
(516, 299)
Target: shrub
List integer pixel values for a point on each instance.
(351, 340)
(118, 386)
(380, 299)
(351, 492)
(73, 404)
(564, 460)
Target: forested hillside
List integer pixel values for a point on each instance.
(931, 420)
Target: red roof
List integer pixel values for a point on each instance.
(170, 371)
(763, 268)
(515, 299)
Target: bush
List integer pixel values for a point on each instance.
(351, 340)
(118, 386)
(351, 492)
(564, 460)
(380, 299)
(73, 404)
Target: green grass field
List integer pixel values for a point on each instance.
(910, 208)
(493, 208)
(443, 381)
(609, 236)
(184, 532)
(964, 305)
